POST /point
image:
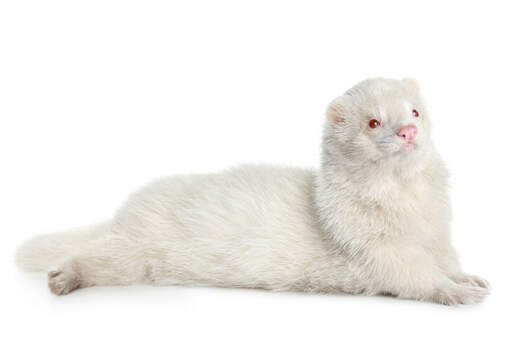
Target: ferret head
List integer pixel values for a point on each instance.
(381, 122)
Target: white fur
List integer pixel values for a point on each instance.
(373, 220)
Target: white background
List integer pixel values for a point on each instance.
(99, 97)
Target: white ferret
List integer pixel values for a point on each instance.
(373, 220)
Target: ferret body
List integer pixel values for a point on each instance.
(374, 219)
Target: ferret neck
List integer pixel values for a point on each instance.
(372, 180)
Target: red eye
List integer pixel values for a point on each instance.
(415, 113)
(373, 124)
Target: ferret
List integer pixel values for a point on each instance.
(373, 220)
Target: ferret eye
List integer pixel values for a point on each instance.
(373, 124)
(415, 113)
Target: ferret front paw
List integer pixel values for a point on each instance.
(62, 281)
(470, 280)
(454, 294)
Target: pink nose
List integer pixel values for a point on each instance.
(407, 132)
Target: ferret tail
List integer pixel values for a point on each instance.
(42, 252)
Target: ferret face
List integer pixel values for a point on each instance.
(379, 120)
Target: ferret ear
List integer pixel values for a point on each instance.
(412, 84)
(335, 112)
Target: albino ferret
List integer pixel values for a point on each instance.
(374, 219)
